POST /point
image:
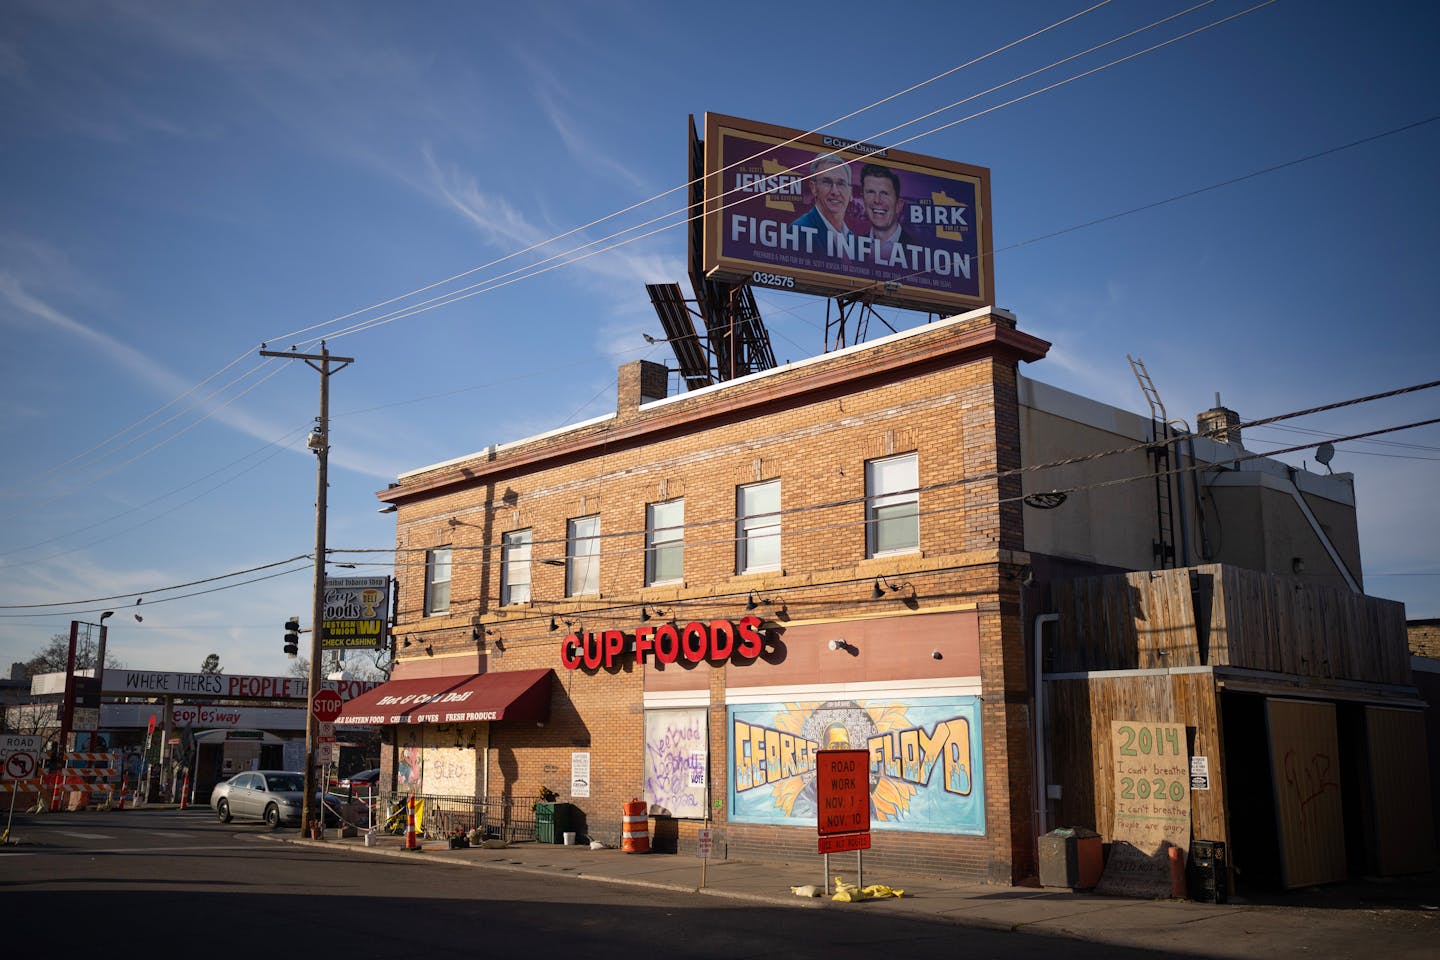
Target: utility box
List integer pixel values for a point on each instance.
(1209, 874)
(1071, 857)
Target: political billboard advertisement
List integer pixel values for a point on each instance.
(821, 214)
(356, 613)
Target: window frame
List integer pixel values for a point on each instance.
(878, 500)
(512, 542)
(753, 526)
(663, 538)
(590, 585)
(432, 558)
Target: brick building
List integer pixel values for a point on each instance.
(682, 601)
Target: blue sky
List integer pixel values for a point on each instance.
(182, 182)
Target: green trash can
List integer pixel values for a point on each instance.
(544, 823)
(552, 822)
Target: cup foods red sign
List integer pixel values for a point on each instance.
(695, 642)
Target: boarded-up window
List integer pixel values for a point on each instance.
(676, 761)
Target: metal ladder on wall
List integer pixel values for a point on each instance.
(1164, 542)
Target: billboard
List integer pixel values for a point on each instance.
(356, 613)
(820, 214)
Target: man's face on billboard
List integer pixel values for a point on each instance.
(832, 191)
(882, 206)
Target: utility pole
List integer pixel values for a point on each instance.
(319, 443)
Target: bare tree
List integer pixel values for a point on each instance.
(51, 658)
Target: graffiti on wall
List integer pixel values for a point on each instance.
(676, 754)
(439, 769)
(925, 761)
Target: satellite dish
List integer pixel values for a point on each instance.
(1325, 453)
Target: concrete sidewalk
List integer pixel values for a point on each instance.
(1350, 920)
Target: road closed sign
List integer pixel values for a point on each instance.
(842, 791)
(19, 756)
(21, 743)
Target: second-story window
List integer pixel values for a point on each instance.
(437, 581)
(665, 542)
(582, 557)
(892, 505)
(515, 567)
(757, 543)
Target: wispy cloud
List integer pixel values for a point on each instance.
(506, 228)
(27, 308)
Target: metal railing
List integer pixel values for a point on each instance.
(500, 818)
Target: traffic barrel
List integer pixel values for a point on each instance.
(635, 837)
(185, 791)
(411, 841)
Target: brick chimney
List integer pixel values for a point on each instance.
(1220, 422)
(640, 382)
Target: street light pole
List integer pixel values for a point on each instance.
(319, 443)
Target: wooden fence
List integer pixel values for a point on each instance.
(1216, 615)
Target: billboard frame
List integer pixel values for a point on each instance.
(717, 263)
(350, 622)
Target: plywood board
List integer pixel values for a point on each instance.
(1305, 766)
(1151, 782)
(1400, 791)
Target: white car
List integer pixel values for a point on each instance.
(269, 795)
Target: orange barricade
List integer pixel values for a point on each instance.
(635, 838)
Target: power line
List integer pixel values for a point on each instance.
(530, 270)
(539, 245)
(157, 590)
(492, 284)
(979, 478)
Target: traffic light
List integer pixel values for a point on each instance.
(292, 637)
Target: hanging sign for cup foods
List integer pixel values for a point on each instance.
(356, 613)
(695, 642)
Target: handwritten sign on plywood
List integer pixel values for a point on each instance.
(1151, 786)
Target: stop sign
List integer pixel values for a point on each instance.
(326, 705)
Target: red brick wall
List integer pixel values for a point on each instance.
(946, 393)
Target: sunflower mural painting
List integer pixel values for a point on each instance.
(925, 758)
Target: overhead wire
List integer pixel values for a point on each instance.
(541, 244)
(998, 475)
(987, 477)
(583, 251)
(1157, 46)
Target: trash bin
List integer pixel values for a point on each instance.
(1209, 875)
(544, 823)
(552, 822)
(1071, 857)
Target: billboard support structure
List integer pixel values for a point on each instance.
(860, 224)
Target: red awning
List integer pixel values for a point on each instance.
(517, 695)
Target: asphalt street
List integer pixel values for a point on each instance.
(177, 883)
